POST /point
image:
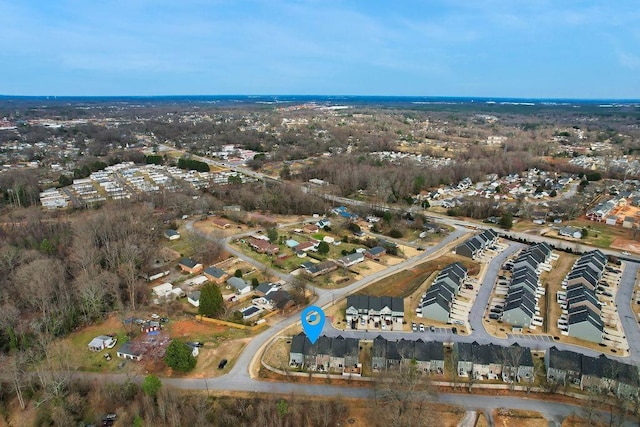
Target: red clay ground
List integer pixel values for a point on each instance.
(626, 244)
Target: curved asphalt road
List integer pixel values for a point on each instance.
(239, 377)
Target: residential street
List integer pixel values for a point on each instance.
(239, 377)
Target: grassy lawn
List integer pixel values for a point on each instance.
(405, 283)
(600, 234)
(94, 361)
(183, 245)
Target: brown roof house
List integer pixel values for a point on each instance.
(310, 228)
(263, 246)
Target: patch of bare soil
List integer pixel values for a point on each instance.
(188, 329)
(626, 245)
(512, 417)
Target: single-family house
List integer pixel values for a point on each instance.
(280, 300)
(189, 265)
(323, 223)
(350, 260)
(162, 290)
(318, 269)
(215, 274)
(264, 288)
(239, 285)
(129, 351)
(220, 222)
(569, 231)
(249, 312)
(171, 235)
(310, 228)
(307, 246)
(376, 252)
(193, 298)
(263, 246)
(102, 342)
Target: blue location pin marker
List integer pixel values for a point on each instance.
(312, 322)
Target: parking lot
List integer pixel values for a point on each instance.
(535, 337)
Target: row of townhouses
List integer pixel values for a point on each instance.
(427, 355)
(381, 310)
(326, 354)
(493, 362)
(474, 246)
(581, 306)
(437, 302)
(521, 303)
(471, 360)
(599, 374)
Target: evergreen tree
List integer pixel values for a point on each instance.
(179, 356)
(211, 303)
(323, 248)
(506, 221)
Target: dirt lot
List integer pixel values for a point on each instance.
(219, 343)
(513, 417)
(208, 227)
(626, 245)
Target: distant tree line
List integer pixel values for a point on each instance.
(192, 164)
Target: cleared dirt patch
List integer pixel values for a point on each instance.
(513, 417)
(626, 245)
(189, 329)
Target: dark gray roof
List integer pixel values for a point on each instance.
(377, 250)
(351, 347)
(379, 348)
(365, 302)
(299, 343)
(393, 351)
(264, 287)
(215, 272)
(237, 282)
(464, 351)
(187, 262)
(592, 366)
(279, 298)
(129, 348)
(510, 353)
(564, 360)
(435, 298)
(584, 314)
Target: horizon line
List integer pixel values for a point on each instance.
(466, 97)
